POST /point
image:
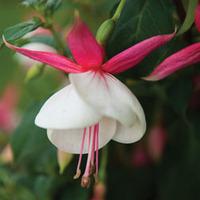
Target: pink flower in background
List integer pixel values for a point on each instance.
(8, 101)
(140, 157)
(156, 141)
(28, 62)
(99, 191)
(96, 107)
(197, 17)
(37, 46)
(6, 155)
(38, 32)
(152, 150)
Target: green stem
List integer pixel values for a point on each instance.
(104, 161)
(189, 17)
(60, 43)
(119, 10)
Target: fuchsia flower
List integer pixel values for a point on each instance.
(140, 157)
(7, 108)
(96, 107)
(37, 46)
(38, 32)
(156, 141)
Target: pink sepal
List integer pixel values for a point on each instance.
(83, 45)
(183, 58)
(57, 61)
(135, 54)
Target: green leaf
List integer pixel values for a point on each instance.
(189, 20)
(46, 7)
(179, 94)
(30, 144)
(140, 19)
(53, 4)
(30, 2)
(16, 32)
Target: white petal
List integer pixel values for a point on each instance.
(130, 134)
(66, 110)
(109, 96)
(70, 140)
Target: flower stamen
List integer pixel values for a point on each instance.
(97, 150)
(92, 159)
(78, 171)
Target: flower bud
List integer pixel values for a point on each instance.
(8, 103)
(99, 191)
(105, 30)
(157, 140)
(63, 160)
(34, 72)
(6, 155)
(140, 157)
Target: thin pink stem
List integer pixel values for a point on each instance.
(89, 137)
(88, 164)
(93, 145)
(82, 146)
(97, 149)
(78, 171)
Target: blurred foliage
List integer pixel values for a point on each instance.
(35, 172)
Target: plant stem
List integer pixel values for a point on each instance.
(180, 9)
(60, 44)
(104, 160)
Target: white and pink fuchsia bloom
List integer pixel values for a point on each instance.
(36, 46)
(95, 107)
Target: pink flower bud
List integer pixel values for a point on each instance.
(38, 32)
(140, 157)
(8, 103)
(99, 191)
(28, 62)
(6, 155)
(156, 141)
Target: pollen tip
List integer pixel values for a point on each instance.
(150, 78)
(77, 175)
(85, 182)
